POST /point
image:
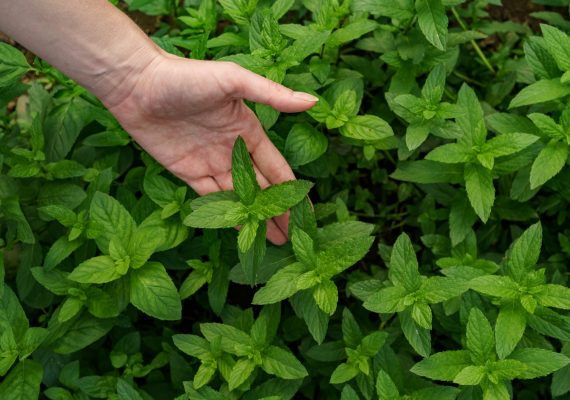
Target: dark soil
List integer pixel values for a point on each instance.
(520, 10)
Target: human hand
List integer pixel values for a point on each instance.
(188, 113)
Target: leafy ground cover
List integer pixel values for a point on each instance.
(430, 262)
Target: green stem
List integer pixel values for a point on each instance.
(467, 79)
(478, 50)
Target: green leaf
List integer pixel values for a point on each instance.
(416, 135)
(251, 259)
(303, 47)
(83, 331)
(480, 189)
(304, 144)
(204, 375)
(436, 289)
(352, 31)
(303, 217)
(242, 370)
(192, 345)
(343, 373)
(498, 286)
(549, 163)
(32, 339)
(277, 199)
(243, 175)
(461, 219)
(419, 338)
(246, 236)
(23, 382)
(103, 303)
(281, 363)
(551, 295)
(372, 343)
(160, 190)
(112, 218)
(126, 391)
(471, 120)
(547, 125)
(404, 265)
(280, 7)
(303, 247)
(561, 378)
(264, 34)
(351, 333)
(60, 250)
(217, 214)
(143, 243)
(326, 296)
(421, 314)
(342, 254)
(13, 64)
(496, 391)
(280, 286)
(524, 253)
(433, 22)
(232, 339)
(480, 338)
(540, 362)
(443, 366)
(153, 292)
(100, 269)
(317, 321)
(540, 92)
(509, 328)
(366, 127)
(538, 57)
(507, 369)
(558, 44)
(55, 281)
(348, 393)
(400, 9)
(63, 126)
(385, 387)
(69, 309)
(387, 300)
(451, 153)
(471, 375)
(509, 143)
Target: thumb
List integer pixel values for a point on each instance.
(254, 87)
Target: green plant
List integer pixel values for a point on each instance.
(431, 261)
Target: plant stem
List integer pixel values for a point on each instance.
(478, 50)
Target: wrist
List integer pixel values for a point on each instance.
(117, 78)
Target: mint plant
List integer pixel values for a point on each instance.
(426, 114)
(477, 365)
(522, 292)
(444, 119)
(248, 206)
(411, 294)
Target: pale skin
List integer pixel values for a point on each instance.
(185, 113)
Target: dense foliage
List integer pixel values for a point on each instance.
(430, 262)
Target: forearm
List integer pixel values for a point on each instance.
(89, 40)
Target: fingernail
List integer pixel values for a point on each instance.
(305, 96)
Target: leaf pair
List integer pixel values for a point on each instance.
(477, 365)
(247, 206)
(127, 249)
(521, 291)
(253, 350)
(411, 295)
(320, 257)
(476, 153)
(426, 114)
